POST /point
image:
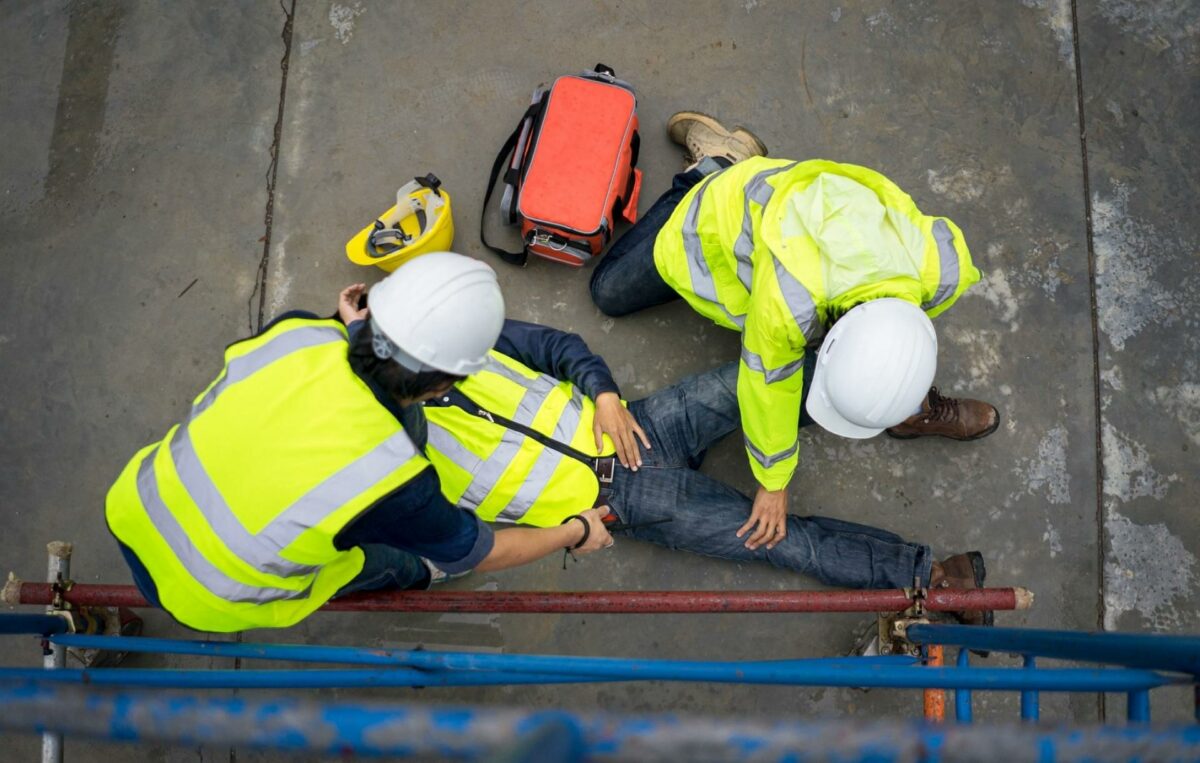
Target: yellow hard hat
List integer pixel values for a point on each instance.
(420, 222)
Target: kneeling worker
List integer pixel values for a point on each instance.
(291, 480)
(798, 256)
(539, 435)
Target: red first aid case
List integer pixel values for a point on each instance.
(571, 169)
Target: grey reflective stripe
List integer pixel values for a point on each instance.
(799, 302)
(760, 192)
(703, 285)
(536, 391)
(948, 258)
(768, 461)
(220, 517)
(755, 362)
(533, 486)
(338, 490)
(449, 446)
(570, 418)
(487, 473)
(204, 572)
(259, 358)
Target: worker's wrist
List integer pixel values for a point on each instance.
(578, 535)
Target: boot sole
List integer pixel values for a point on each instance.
(995, 425)
(677, 131)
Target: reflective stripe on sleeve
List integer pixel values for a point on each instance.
(948, 259)
(767, 461)
(755, 362)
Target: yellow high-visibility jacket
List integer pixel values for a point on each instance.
(234, 513)
(500, 473)
(778, 250)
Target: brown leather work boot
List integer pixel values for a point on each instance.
(953, 417)
(704, 136)
(964, 572)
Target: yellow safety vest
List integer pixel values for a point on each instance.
(778, 250)
(235, 511)
(502, 474)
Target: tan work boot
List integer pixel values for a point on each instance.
(704, 136)
(956, 418)
(963, 572)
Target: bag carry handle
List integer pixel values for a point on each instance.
(513, 258)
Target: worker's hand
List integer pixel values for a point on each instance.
(598, 535)
(615, 420)
(348, 303)
(770, 515)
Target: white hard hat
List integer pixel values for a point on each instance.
(440, 311)
(874, 369)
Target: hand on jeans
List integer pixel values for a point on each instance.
(348, 303)
(615, 420)
(598, 536)
(769, 513)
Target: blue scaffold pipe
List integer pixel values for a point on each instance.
(13, 623)
(962, 697)
(1137, 709)
(345, 655)
(1154, 651)
(294, 725)
(1029, 698)
(527, 670)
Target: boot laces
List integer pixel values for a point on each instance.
(942, 409)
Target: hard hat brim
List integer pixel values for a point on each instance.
(822, 411)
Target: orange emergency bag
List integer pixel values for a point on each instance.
(571, 169)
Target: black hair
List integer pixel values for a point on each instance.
(389, 375)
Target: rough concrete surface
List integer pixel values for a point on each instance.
(137, 175)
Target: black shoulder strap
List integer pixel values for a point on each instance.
(459, 399)
(513, 258)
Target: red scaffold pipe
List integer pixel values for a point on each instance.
(590, 602)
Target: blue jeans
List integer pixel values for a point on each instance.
(626, 280)
(682, 421)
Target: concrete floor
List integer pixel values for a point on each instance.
(163, 195)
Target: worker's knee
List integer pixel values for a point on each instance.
(611, 298)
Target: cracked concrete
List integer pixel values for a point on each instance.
(166, 189)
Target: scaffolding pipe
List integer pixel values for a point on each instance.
(40, 625)
(1136, 650)
(587, 602)
(427, 660)
(58, 569)
(341, 729)
(1029, 698)
(962, 697)
(934, 700)
(484, 669)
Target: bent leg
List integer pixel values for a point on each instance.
(388, 568)
(705, 515)
(687, 418)
(626, 279)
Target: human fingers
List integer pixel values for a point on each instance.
(749, 523)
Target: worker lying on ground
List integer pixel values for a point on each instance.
(539, 435)
(789, 253)
(291, 480)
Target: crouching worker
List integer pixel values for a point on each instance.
(540, 435)
(291, 480)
